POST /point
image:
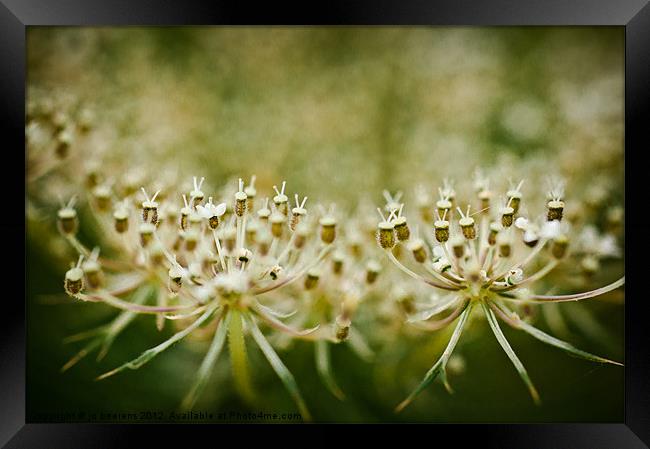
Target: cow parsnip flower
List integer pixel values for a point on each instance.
(204, 264)
(485, 266)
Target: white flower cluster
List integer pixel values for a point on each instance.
(488, 264)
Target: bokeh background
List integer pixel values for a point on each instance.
(341, 113)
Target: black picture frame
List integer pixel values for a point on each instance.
(634, 15)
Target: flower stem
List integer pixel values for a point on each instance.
(439, 368)
(417, 276)
(219, 252)
(576, 296)
(238, 357)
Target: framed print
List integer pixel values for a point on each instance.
(371, 214)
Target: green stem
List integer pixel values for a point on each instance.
(238, 357)
(280, 369)
(492, 321)
(324, 367)
(439, 368)
(208, 363)
(151, 353)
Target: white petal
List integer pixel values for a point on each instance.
(203, 211)
(551, 229)
(530, 236)
(521, 222)
(220, 209)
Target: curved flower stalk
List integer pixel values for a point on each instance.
(330, 295)
(102, 338)
(484, 265)
(210, 264)
(591, 248)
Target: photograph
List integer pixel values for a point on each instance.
(329, 224)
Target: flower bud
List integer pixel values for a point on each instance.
(311, 280)
(386, 234)
(297, 213)
(444, 207)
(280, 200)
(559, 247)
(191, 240)
(93, 273)
(505, 247)
(372, 271)
(240, 204)
(102, 196)
(468, 228)
(458, 246)
(402, 230)
(63, 143)
(213, 222)
(146, 231)
(150, 208)
(327, 229)
(494, 231)
(419, 251)
(356, 246)
(514, 199)
(121, 217)
(197, 195)
(74, 281)
(300, 236)
(441, 230)
(264, 213)
(484, 197)
(277, 221)
(175, 278)
(250, 195)
(507, 216)
(185, 213)
(342, 328)
(68, 223)
(156, 254)
(93, 175)
(406, 303)
(337, 262)
(555, 210)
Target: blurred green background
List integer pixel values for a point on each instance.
(341, 113)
